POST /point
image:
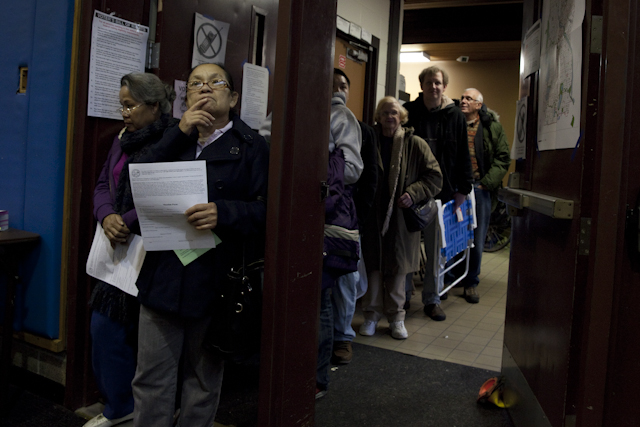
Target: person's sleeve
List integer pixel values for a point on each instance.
(429, 182)
(249, 217)
(501, 159)
(346, 133)
(102, 203)
(463, 172)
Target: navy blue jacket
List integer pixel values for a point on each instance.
(237, 167)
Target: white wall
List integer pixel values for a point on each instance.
(373, 16)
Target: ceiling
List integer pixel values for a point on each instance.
(483, 30)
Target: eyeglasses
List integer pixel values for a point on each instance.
(215, 84)
(128, 110)
(468, 98)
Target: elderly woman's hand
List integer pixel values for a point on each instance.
(115, 229)
(203, 216)
(195, 117)
(405, 201)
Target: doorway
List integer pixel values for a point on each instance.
(346, 59)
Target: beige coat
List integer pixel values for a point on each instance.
(415, 170)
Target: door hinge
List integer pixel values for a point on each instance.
(596, 34)
(153, 55)
(585, 236)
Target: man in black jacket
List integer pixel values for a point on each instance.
(437, 119)
(344, 294)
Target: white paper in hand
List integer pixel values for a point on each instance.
(118, 267)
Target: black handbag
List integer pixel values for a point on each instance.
(236, 326)
(418, 216)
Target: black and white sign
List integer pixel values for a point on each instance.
(209, 41)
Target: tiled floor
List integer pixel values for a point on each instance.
(471, 334)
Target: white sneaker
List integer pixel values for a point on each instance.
(368, 328)
(102, 421)
(398, 331)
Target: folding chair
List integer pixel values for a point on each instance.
(456, 233)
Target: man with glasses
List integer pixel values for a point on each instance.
(437, 120)
(490, 160)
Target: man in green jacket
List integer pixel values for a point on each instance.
(490, 160)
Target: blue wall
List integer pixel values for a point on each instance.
(33, 129)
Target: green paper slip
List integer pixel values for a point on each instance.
(187, 256)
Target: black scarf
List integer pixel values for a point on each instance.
(135, 145)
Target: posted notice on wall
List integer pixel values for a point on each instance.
(209, 41)
(519, 147)
(531, 49)
(162, 192)
(255, 94)
(118, 47)
(180, 103)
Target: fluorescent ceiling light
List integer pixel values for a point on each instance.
(414, 57)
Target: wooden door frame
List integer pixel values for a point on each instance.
(615, 123)
(295, 213)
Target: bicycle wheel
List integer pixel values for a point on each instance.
(499, 231)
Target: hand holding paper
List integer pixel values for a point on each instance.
(203, 216)
(115, 229)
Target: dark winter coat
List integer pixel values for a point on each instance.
(413, 170)
(365, 190)
(451, 147)
(492, 150)
(237, 167)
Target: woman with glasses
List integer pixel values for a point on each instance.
(176, 300)
(408, 174)
(146, 104)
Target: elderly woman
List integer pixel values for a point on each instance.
(176, 300)
(408, 174)
(146, 102)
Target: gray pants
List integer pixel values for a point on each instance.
(162, 339)
(385, 295)
(433, 283)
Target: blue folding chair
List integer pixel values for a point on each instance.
(457, 236)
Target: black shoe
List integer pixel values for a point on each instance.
(342, 353)
(471, 295)
(435, 312)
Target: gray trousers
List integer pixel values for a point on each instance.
(385, 295)
(162, 340)
(433, 283)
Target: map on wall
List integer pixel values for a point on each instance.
(560, 74)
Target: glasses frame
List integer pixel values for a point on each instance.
(128, 110)
(221, 85)
(468, 99)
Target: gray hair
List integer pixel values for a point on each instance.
(480, 97)
(149, 89)
(404, 114)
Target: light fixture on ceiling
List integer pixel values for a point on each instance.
(462, 59)
(414, 57)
